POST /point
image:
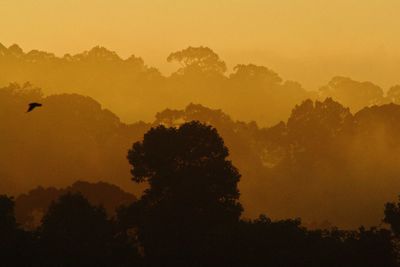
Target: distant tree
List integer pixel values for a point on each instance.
(255, 74)
(393, 94)
(353, 94)
(97, 54)
(75, 233)
(15, 50)
(311, 136)
(252, 86)
(200, 59)
(313, 125)
(195, 112)
(192, 192)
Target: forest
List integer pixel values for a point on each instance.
(125, 166)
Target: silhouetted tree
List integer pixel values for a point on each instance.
(263, 242)
(30, 207)
(75, 233)
(392, 216)
(312, 126)
(7, 218)
(192, 192)
(15, 245)
(372, 247)
(198, 59)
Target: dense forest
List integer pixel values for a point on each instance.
(189, 215)
(135, 91)
(199, 167)
(324, 164)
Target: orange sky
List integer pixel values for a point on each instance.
(305, 40)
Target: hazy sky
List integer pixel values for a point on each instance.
(305, 40)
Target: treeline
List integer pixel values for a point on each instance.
(190, 215)
(30, 207)
(135, 91)
(327, 165)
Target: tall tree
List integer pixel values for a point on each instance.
(192, 194)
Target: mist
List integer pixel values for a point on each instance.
(199, 133)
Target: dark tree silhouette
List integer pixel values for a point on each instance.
(392, 216)
(30, 207)
(76, 233)
(192, 192)
(15, 245)
(263, 242)
(7, 218)
(7, 229)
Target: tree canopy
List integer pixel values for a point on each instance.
(192, 190)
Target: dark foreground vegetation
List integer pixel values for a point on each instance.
(189, 215)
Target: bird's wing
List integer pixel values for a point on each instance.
(31, 107)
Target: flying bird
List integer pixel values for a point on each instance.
(33, 105)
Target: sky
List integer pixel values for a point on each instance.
(309, 41)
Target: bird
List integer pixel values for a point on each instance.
(33, 105)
